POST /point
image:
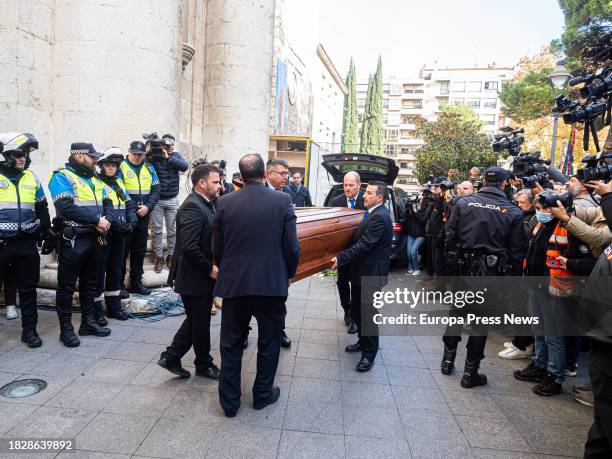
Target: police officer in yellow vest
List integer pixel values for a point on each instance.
(124, 210)
(144, 188)
(84, 216)
(24, 218)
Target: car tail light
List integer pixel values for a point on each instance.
(397, 227)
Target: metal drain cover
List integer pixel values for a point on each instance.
(23, 388)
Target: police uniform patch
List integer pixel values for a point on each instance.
(584, 249)
(130, 174)
(4, 184)
(81, 181)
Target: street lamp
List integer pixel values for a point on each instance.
(557, 79)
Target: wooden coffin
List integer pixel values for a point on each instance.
(323, 233)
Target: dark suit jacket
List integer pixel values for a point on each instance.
(255, 242)
(193, 253)
(342, 201)
(300, 196)
(371, 249)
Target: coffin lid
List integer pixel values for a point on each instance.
(369, 167)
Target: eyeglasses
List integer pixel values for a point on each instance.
(282, 174)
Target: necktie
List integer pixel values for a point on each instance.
(352, 202)
(365, 215)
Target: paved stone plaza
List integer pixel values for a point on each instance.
(111, 397)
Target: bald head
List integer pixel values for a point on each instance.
(252, 167)
(465, 189)
(351, 183)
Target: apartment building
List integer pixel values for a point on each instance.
(404, 99)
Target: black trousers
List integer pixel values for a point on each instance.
(136, 248)
(522, 342)
(270, 312)
(21, 256)
(82, 261)
(599, 441)
(362, 308)
(476, 342)
(110, 280)
(345, 288)
(9, 285)
(194, 331)
(434, 251)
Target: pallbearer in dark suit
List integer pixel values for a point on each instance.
(353, 198)
(193, 275)
(255, 243)
(368, 257)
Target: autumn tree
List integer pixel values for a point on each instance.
(453, 141)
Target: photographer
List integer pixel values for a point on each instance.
(521, 347)
(414, 229)
(557, 254)
(168, 165)
(582, 197)
(435, 219)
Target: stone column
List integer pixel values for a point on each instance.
(238, 66)
(117, 71)
(26, 37)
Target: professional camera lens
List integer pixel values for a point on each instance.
(580, 115)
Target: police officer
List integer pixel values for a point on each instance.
(125, 219)
(143, 186)
(84, 215)
(24, 217)
(486, 234)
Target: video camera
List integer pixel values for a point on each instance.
(531, 169)
(509, 140)
(598, 167)
(550, 198)
(445, 185)
(596, 101)
(157, 144)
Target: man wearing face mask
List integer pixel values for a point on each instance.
(554, 253)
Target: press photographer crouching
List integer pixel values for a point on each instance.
(558, 254)
(168, 165)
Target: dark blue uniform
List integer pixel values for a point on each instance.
(486, 231)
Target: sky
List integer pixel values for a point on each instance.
(410, 33)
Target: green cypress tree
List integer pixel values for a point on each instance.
(377, 136)
(350, 126)
(366, 132)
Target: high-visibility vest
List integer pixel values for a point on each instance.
(17, 203)
(137, 182)
(561, 281)
(88, 194)
(119, 210)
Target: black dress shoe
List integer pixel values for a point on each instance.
(285, 341)
(347, 319)
(365, 364)
(173, 366)
(261, 404)
(230, 414)
(211, 372)
(31, 338)
(119, 315)
(352, 328)
(353, 348)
